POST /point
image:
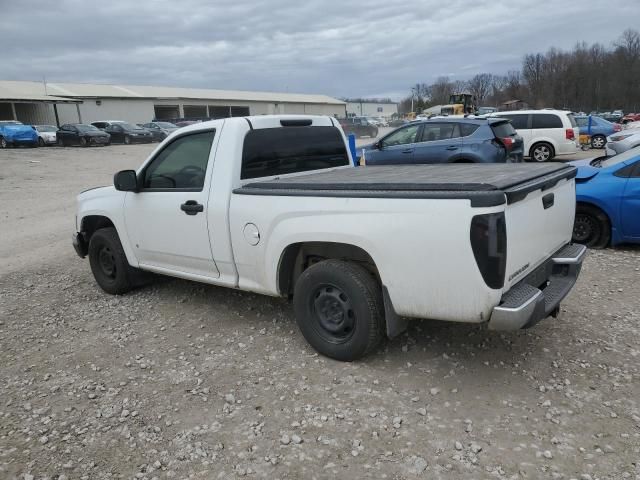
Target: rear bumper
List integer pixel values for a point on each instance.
(538, 296)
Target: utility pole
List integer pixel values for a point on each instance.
(413, 92)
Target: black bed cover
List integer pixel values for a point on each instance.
(484, 184)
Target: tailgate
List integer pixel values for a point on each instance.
(539, 222)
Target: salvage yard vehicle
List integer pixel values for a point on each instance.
(272, 204)
(81, 134)
(14, 133)
(598, 128)
(623, 141)
(46, 134)
(160, 130)
(359, 126)
(608, 200)
(123, 132)
(547, 133)
(447, 140)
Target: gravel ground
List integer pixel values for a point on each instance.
(182, 380)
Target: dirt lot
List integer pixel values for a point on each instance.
(180, 380)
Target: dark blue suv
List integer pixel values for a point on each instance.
(447, 140)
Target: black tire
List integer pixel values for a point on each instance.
(591, 227)
(84, 142)
(60, 142)
(598, 141)
(127, 140)
(109, 263)
(339, 309)
(541, 152)
(3, 143)
(40, 142)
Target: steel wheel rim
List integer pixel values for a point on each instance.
(598, 142)
(541, 154)
(333, 314)
(584, 228)
(107, 262)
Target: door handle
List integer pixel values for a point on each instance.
(452, 147)
(191, 207)
(548, 200)
(409, 150)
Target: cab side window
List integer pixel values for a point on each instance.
(182, 164)
(403, 136)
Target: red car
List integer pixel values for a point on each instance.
(630, 117)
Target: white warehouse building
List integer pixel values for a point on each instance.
(371, 108)
(60, 103)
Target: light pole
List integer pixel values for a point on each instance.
(413, 90)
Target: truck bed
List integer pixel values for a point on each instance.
(484, 185)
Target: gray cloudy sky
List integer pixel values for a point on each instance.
(340, 48)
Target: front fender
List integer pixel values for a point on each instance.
(109, 203)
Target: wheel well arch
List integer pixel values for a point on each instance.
(297, 257)
(593, 206)
(91, 223)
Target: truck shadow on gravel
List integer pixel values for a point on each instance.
(423, 340)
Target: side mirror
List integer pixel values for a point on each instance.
(379, 145)
(126, 181)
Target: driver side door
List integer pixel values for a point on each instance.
(116, 132)
(396, 148)
(166, 219)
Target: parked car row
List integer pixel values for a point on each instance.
(14, 133)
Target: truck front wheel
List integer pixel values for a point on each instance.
(339, 309)
(109, 262)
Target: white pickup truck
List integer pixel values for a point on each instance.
(273, 205)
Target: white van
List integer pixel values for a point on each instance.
(546, 133)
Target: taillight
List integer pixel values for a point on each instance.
(617, 127)
(570, 134)
(489, 245)
(508, 142)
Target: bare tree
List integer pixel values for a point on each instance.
(480, 86)
(585, 78)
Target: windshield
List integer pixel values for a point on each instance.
(46, 128)
(166, 125)
(87, 128)
(616, 159)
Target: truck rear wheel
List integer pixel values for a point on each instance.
(339, 309)
(109, 263)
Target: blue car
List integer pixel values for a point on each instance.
(14, 133)
(600, 129)
(446, 140)
(608, 200)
